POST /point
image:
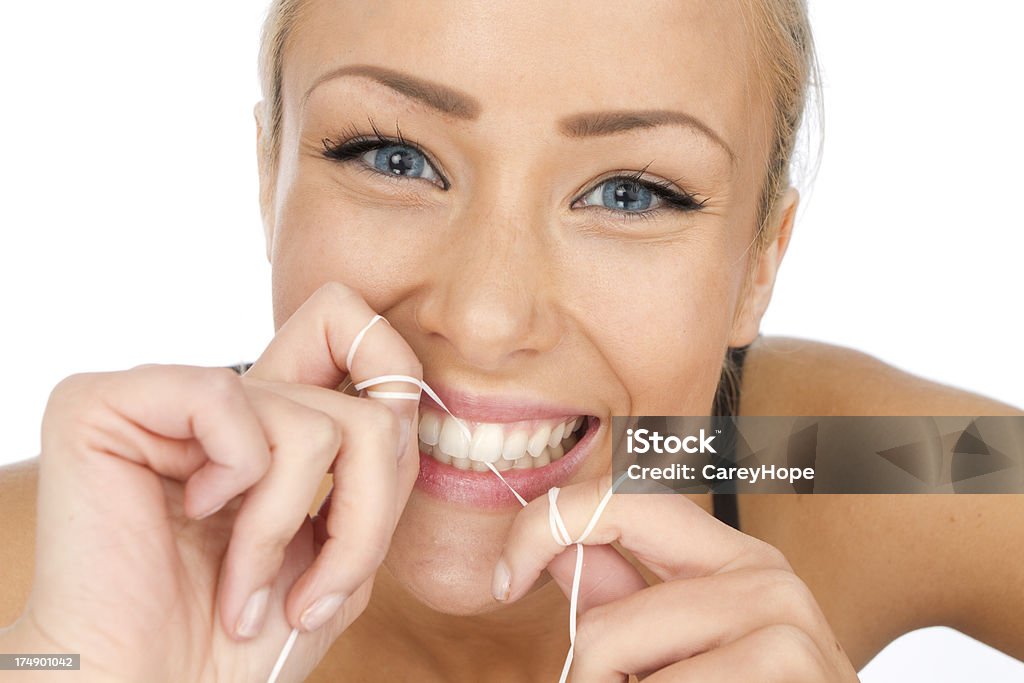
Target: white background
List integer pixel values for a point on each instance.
(131, 231)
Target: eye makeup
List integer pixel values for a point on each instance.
(354, 145)
(630, 186)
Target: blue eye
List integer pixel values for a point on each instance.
(379, 154)
(635, 198)
(401, 160)
(622, 194)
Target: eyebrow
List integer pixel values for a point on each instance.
(448, 101)
(593, 124)
(459, 105)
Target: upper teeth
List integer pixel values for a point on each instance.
(519, 444)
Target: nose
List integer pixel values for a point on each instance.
(493, 294)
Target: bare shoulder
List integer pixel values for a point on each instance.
(884, 565)
(17, 536)
(787, 376)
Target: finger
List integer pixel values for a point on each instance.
(669, 534)
(313, 347)
(357, 531)
(680, 619)
(207, 406)
(339, 406)
(773, 654)
(304, 442)
(606, 575)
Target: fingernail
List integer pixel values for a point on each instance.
(252, 614)
(501, 583)
(210, 513)
(317, 614)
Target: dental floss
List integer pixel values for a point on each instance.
(281, 658)
(359, 340)
(561, 535)
(558, 529)
(436, 399)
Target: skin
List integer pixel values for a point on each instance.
(497, 283)
(502, 284)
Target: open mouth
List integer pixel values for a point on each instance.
(531, 455)
(524, 445)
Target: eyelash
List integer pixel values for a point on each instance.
(675, 200)
(356, 144)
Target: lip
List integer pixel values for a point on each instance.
(485, 490)
(498, 409)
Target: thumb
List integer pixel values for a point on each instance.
(606, 575)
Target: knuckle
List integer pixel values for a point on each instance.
(792, 596)
(322, 434)
(269, 546)
(71, 387)
(359, 564)
(73, 416)
(333, 293)
(80, 398)
(785, 650)
(771, 557)
(367, 538)
(220, 383)
(780, 583)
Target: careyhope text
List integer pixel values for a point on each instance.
(680, 472)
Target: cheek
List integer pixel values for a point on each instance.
(661, 315)
(658, 314)
(321, 236)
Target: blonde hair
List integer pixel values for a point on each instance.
(280, 21)
(786, 55)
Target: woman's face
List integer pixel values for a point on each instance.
(563, 232)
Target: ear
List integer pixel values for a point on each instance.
(265, 178)
(758, 291)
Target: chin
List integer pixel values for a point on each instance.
(445, 559)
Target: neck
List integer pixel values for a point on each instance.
(399, 638)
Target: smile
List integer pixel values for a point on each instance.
(512, 445)
(534, 446)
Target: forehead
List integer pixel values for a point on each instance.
(536, 60)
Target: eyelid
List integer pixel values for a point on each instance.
(352, 137)
(638, 177)
(671, 195)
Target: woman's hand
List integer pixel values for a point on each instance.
(173, 541)
(729, 607)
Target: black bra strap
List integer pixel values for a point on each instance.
(727, 402)
(726, 509)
